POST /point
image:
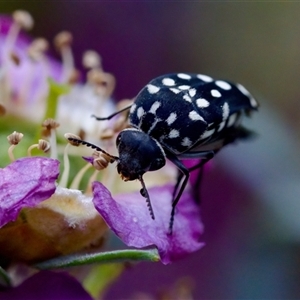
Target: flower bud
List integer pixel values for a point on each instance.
(23, 19)
(15, 138)
(63, 39)
(91, 59)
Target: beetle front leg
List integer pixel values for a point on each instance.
(185, 175)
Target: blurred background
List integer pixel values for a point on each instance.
(251, 195)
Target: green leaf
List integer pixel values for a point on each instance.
(101, 257)
(4, 278)
(101, 277)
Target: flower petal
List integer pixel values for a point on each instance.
(89, 159)
(128, 216)
(25, 183)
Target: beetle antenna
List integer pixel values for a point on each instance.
(74, 140)
(145, 194)
(112, 115)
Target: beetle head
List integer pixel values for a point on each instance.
(138, 154)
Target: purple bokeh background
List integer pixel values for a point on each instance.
(47, 285)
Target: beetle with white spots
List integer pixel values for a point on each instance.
(179, 116)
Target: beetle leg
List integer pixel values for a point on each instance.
(185, 175)
(179, 178)
(145, 194)
(197, 184)
(208, 156)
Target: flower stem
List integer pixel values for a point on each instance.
(75, 183)
(65, 175)
(30, 149)
(101, 257)
(10, 152)
(11, 38)
(53, 144)
(88, 190)
(68, 63)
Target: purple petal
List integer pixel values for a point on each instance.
(47, 285)
(89, 159)
(128, 216)
(25, 183)
(23, 39)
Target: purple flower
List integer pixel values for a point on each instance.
(36, 71)
(128, 216)
(25, 69)
(25, 183)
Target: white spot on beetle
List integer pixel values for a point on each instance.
(184, 87)
(223, 85)
(175, 91)
(192, 92)
(253, 102)
(154, 107)
(204, 78)
(187, 98)
(194, 116)
(221, 125)
(232, 119)
(152, 89)
(207, 133)
(201, 103)
(186, 142)
(225, 109)
(215, 93)
(173, 134)
(184, 76)
(168, 81)
(171, 118)
(243, 89)
(132, 108)
(140, 112)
